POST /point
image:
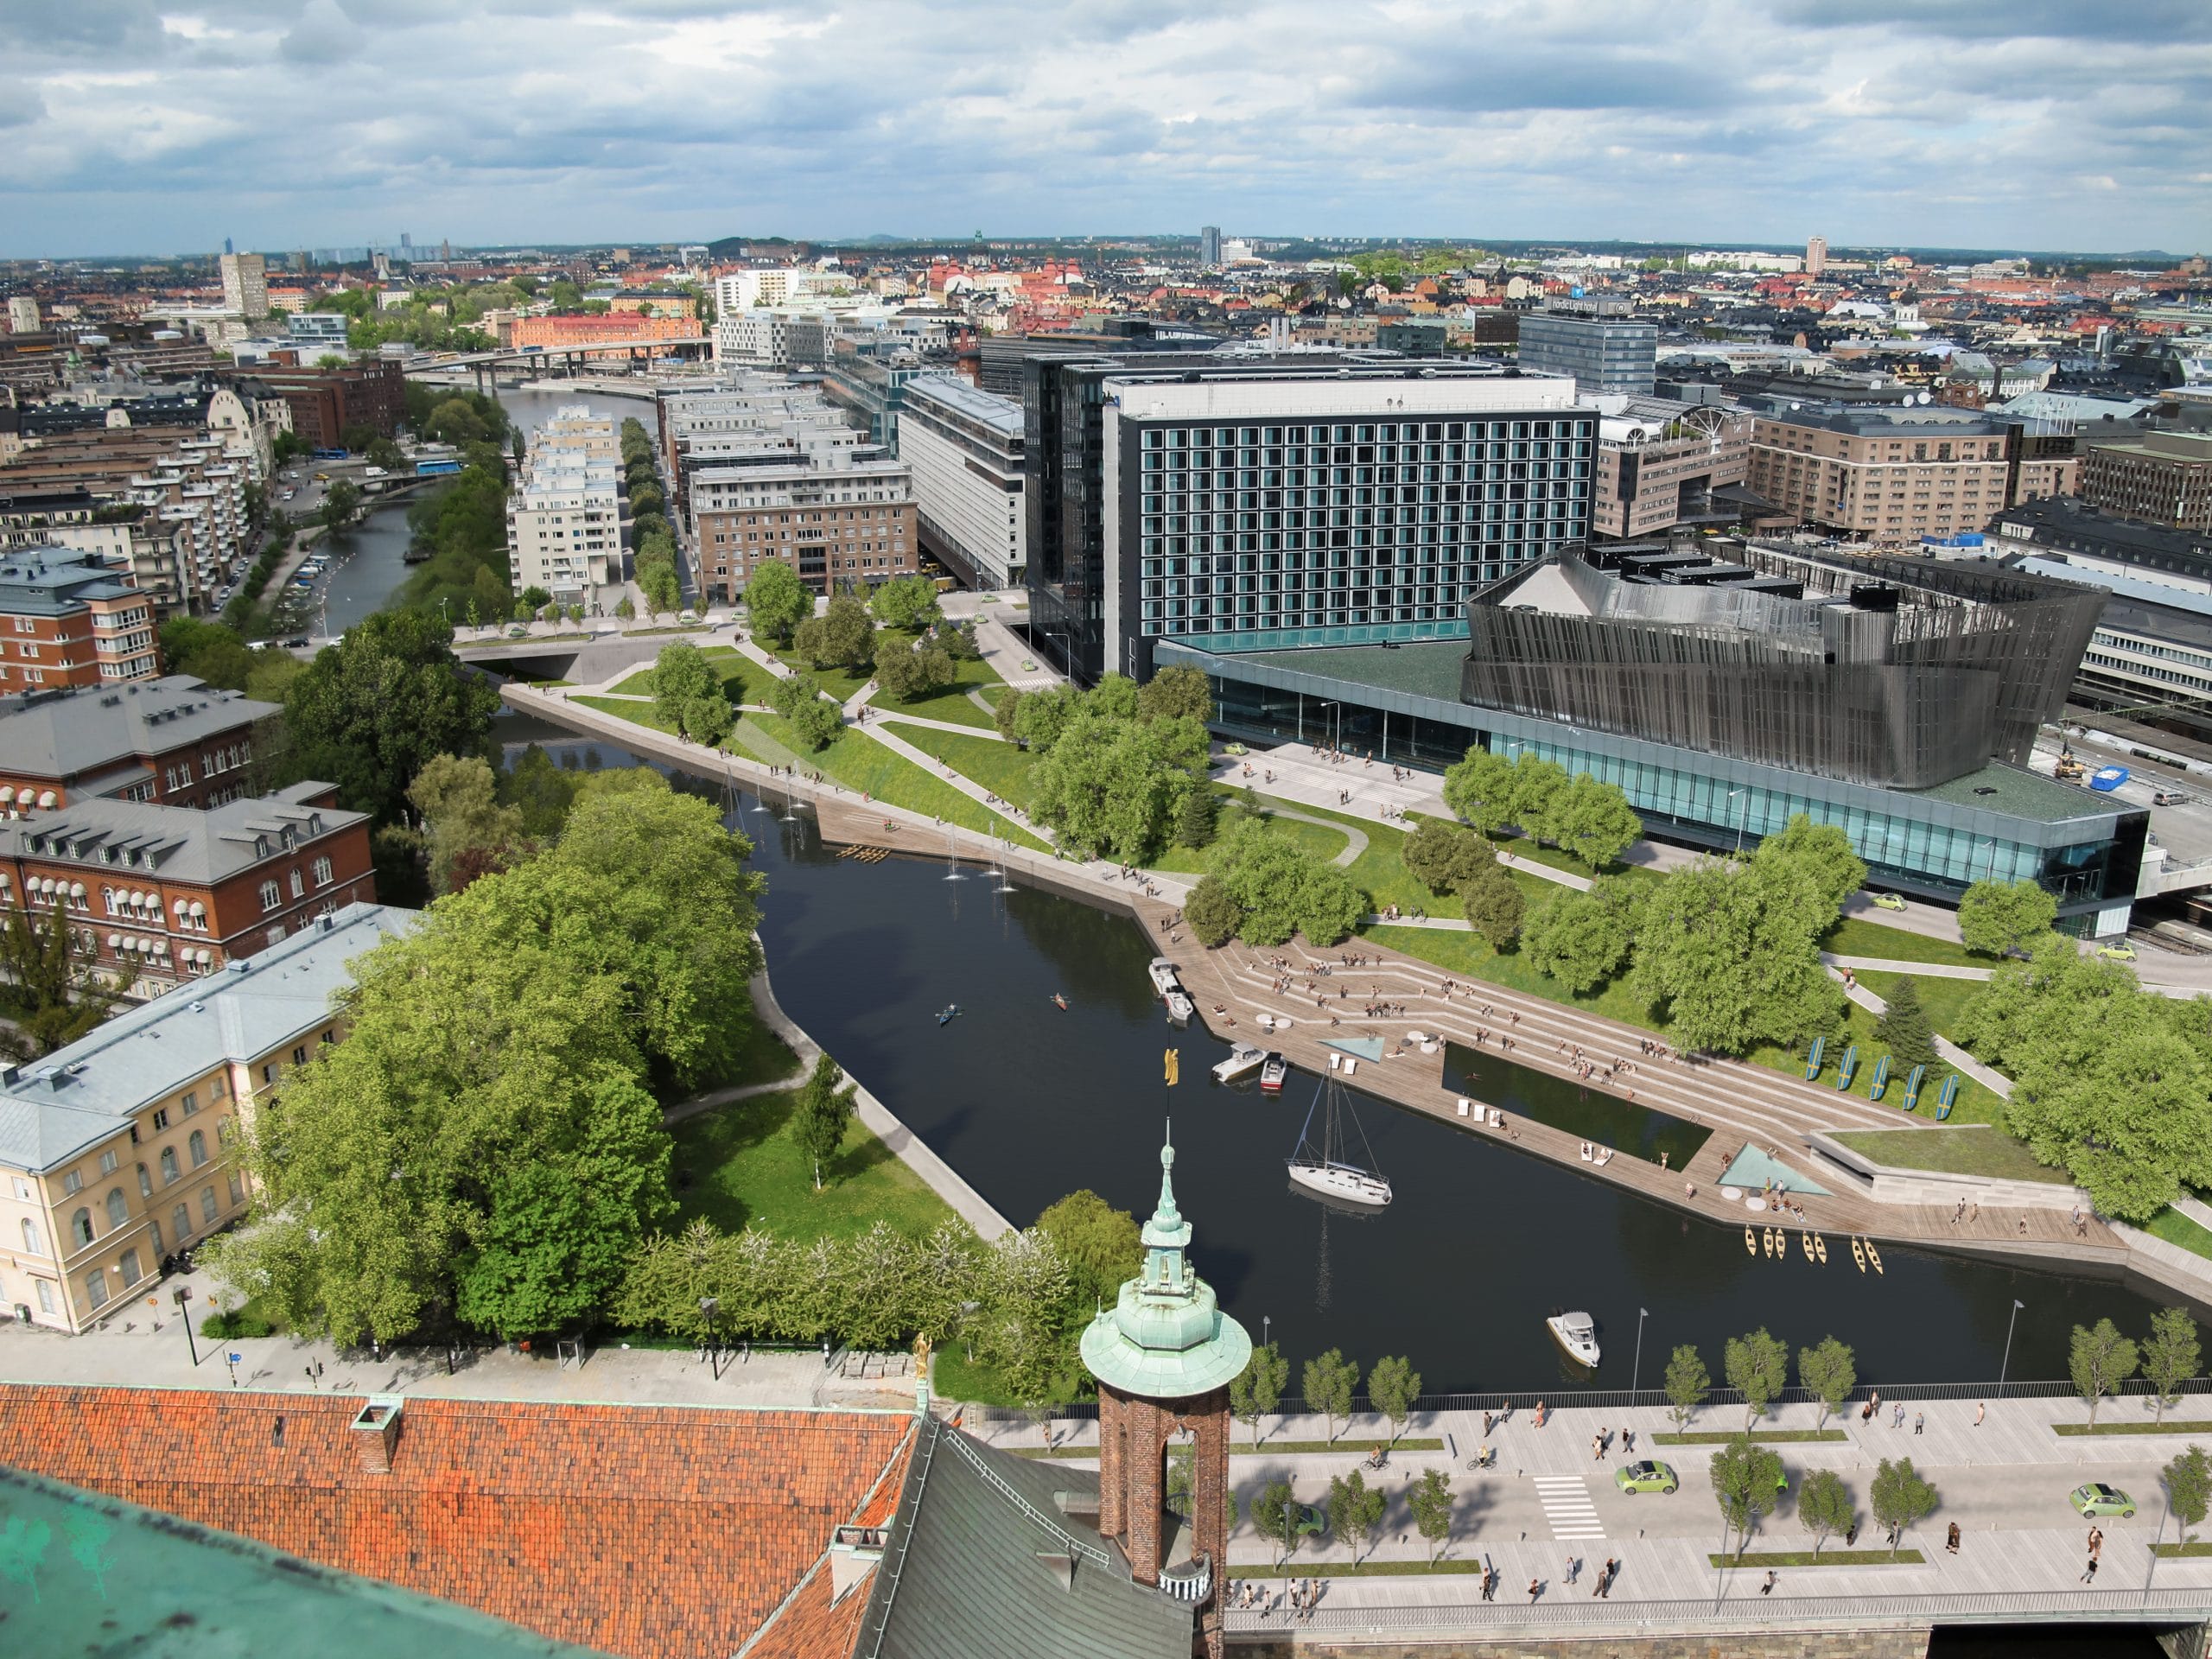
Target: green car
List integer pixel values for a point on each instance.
(1888, 901)
(2096, 1498)
(2123, 951)
(1310, 1521)
(1650, 1476)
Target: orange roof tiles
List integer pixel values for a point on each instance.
(645, 1530)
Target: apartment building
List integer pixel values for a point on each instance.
(1602, 352)
(246, 283)
(1660, 463)
(965, 447)
(165, 894)
(564, 515)
(125, 1147)
(170, 740)
(557, 334)
(844, 525)
(773, 338)
(743, 416)
(326, 402)
(70, 619)
(1888, 476)
(2164, 478)
(774, 285)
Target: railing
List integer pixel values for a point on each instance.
(1191, 1580)
(1073, 1545)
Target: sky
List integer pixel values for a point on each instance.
(163, 126)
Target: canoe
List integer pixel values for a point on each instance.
(1873, 1255)
(1748, 1245)
(1806, 1239)
(1859, 1252)
(1881, 1078)
(1820, 1248)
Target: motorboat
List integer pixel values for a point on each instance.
(948, 1013)
(1243, 1059)
(1322, 1170)
(1179, 1009)
(1059, 1002)
(1163, 977)
(1577, 1334)
(1273, 1071)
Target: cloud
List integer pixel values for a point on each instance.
(288, 122)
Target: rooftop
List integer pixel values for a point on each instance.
(51, 1114)
(179, 843)
(65, 734)
(1923, 421)
(49, 580)
(955, 393)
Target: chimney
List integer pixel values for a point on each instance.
(854, 1553)
(376, 1426)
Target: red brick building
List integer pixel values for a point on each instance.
(325, 402)
(170, 740)
(616, 327)
(69, 618)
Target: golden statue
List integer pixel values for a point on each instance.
(922, 1354)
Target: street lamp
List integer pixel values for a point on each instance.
(2009, 1324)
(1337, 723)
(1265, 1322)
(1635, 1372)
(1740, 817)
(708, 1306)
(2155, 1544)
(182, 1296)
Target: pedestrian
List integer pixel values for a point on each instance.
(1536, 1587)
(1919, 1422)
(1606, 1579)
(1573, 1566)
(1897, 1415)
(2089, 1572)
(1767, 1587)
(1981, 1411)
(1866, 1411)
(1850, 1533)
(1490, 1585)
(1952, 1543)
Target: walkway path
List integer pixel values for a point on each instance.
(1988, 1077)
(1892, 966)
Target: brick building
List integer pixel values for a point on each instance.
(170, 893)
(615, 328)
(70, 619)
(844, 525)
(1659, 463)
(325, 402)
(170, 740)
(2163, 477)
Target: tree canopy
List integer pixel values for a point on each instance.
(2005, 917)
(776, 598)
(1099, 1243)
(1113, 785)
(1580, 939)
(905, 602)
(1278, 888)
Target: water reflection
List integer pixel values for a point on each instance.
(1587, 1113)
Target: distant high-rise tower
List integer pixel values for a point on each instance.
(246, 283)
(406, 245)
(445, 250)
(227, 248)
(1210, 246)
(1816, 255)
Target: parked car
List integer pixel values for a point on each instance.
(2096, 1498)
(2117, 951)
(1309, 1520)
(298, 642)
(1649, 1476)
(1888, 901)
(2169, 798)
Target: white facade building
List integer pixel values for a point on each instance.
(246, 283)
(965, 448)
(741, 290)
(564, 518)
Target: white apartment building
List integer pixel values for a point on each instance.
(246, 283)
(741, 290)
(22, 315)
(564, 516)
(965, 448)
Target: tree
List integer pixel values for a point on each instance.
(1732, 955)
(1099, 1243)
(626, 608)
(1899, 1497)
(1821, 853)
(799, 701)
(1025, 1326)
(1687, 1383)
(775, 599)
(208, 651)
(1273, 1515)
(1592, 821)
(1355, 1509)
(1757, 1365)
(1479, 789)
(1195, 819)
(2099, 1360)
(2189, 1489)
(1257, 1390)
(1494, 905)
(708, 718)
(1430, 1500)
(1905, 1026)
(48, 992)
(372, 709)
(1040, 716)
(1179, 692)
(681, 675)
(822, 1111)
(1329, 1381)
(1827, 1373)
(1006, 712)
(905, 675)
(1212, 912)
(2169, 1356)
(1112, 785)
(1443, 856)
(1392, 1388)
(1538, 786)
(1745, 1476)
(957, 641)
(905, 602)
(1279, 888)
(1115, 698)
(842, 636)
(339, 502)
(663, 589)
(1824, 1506)
(2003, 919)
(1579, 939)
(471, 833)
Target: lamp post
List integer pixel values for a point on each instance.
(1740, 817)
(708, 1306)
(1265, 1322)
(182, 1296)
(2006, 1363)
(2155, 1543)
(1635, 1372)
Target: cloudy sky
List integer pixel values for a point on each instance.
(165, 125)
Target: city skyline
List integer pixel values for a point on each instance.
(137, 129)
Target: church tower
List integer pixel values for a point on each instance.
(1164, 1358)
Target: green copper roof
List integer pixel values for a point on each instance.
(1165, 1337)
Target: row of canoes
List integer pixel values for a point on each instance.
(1776, 1242)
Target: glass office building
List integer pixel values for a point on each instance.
(1609, 355)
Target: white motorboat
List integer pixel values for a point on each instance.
(1320, 1170)
(1242, 1061)
(1577, 1334)
(1273, 1073)
(1163, 977)
(1179, 1009)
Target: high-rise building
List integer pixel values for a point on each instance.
(22, 314)
(1210, 246)
(564, 516)
(965, 447)
(1610, 354)
(246, 283)
(2166, 477)
(1329, 502)
(1816, 255)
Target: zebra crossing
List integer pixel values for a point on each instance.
(1567, 1506)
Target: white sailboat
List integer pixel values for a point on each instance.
(1321, 1169)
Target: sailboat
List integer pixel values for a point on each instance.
(1320, 1169)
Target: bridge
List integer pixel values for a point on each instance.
(637, 352)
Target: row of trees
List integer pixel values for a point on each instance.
(1590, 819)
(1114, 766)
(653, 540)
(1264, 888)
(1355, 1513)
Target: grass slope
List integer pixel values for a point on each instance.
(860, 763)
(1975, 1149)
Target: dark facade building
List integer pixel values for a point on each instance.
(325, 402)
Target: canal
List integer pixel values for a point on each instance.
(1480, 1242)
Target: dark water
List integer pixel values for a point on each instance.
(1635, 1131)
(369, 565)
(1481, 1241)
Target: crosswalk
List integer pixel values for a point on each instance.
(1567, 1507)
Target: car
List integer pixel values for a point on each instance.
(298, 642)
(2096, 1498)
(2117, 951)
(516, 630)
(1235, 748)
(1649, 1476)
(1888, 901)
(2169, 798)
(1310, 1520)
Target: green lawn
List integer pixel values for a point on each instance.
(1943, 999)
(1977, 1149)
(1350, 1570)
(1826, 1558)
(638, 714)
(952, 1377)
(766, 1058)
(2178, 1229)
(1759, 1437)
(739, 1165)
(1320, 840)
(2172, 1426)
(1855, 935)
(859, 762)
(1000, 767)
(950, 703)
(839, 682)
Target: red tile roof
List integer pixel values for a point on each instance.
(811, 1626)
(647, 1530)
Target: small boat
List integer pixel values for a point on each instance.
(1178, 1008)
(1873, 1255)
(1748, 1244)
(1577, 1334)
(1806, 1239)
(1273, 1071)
(1320, 1170)
(1766, 1239)
(1859, 1252)
(948, 1013)
(1820, 1248)
(1163, 977)
(1059, 1002)
(1242, 1061)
